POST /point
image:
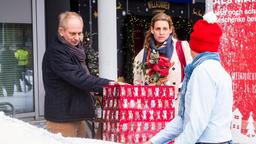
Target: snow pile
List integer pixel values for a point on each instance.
(14, 131)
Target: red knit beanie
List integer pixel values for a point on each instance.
(206, 34)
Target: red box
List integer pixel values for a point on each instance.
(133, 114)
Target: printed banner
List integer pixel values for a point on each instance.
(238, 54)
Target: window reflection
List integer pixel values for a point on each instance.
(16, 66)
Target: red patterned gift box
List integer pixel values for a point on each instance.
(133, 114)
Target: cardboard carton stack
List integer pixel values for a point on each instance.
(133, 114)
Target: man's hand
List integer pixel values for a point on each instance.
(117, 83)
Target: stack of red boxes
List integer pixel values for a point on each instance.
(133, 114)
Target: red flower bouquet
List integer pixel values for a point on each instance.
(157, 69)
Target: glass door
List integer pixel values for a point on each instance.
(16, 66)
(16, 56)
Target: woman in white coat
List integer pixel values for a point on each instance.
(161, 42)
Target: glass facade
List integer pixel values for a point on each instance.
(16, 66)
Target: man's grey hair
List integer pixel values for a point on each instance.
(63, 17)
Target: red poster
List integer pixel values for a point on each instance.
(238, 53)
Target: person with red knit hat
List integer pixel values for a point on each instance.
(206, 96)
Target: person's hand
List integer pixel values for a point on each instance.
(123, 83)
(112, 83)
(148, 142)
(117, 83)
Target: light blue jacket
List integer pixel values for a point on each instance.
(208, 108)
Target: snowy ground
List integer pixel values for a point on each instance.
(14, 131)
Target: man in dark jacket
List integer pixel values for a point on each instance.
(67, 82)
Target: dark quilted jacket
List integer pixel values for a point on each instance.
(67, 86)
